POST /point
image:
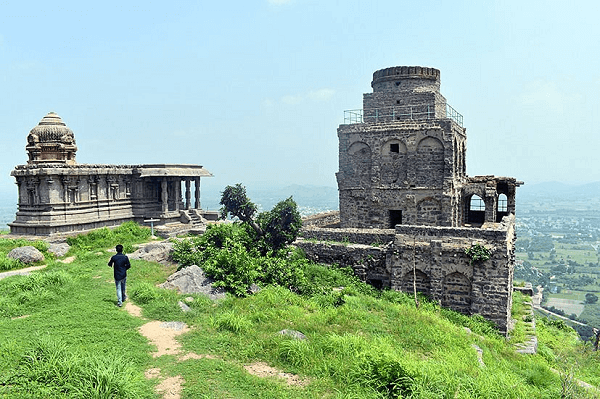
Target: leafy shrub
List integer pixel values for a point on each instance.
(191, 251)
(234, 268)
(280, 225)
(478, 253)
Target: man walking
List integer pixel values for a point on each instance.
(121, 263)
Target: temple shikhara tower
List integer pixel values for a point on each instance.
(57, 195)
(402, 159)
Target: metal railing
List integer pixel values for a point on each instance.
(387, 114)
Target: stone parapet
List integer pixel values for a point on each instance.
(350, 235)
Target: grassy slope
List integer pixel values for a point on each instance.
(366, 347)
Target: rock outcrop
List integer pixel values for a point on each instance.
(27, 254)
(192, 280)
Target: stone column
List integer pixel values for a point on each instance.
(188, 194)
(164, 195)
(177, 193)
(491, 204)
(197, 193)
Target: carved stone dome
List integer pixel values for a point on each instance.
(51, 141)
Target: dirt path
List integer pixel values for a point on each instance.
(25, 271)
(164, 336)
(21, 272)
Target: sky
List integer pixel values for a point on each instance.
(254, 90)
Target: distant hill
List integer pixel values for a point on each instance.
(310, 198)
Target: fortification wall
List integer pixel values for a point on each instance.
(433, 258)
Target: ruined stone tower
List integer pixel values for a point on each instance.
(409, 214)
(402, 159)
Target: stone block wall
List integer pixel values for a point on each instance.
(403, 172)
(374, 237)
(432, 257)
(325, 219)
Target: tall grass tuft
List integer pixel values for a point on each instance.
(233, 322)
(49, 369)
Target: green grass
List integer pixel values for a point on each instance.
(76, 343)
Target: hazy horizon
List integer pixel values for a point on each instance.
(254, 91)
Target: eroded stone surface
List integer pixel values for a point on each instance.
(154, 252)
(27, 254)
(59, 249)
(191, 280)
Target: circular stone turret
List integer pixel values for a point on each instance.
(403, 78)
(51, 141)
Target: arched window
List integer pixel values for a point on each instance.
(502, 207)
(475, 210)
(476, 203)
(502, 203)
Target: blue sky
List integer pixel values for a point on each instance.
(255, 90)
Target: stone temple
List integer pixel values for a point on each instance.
(58, 195)
(409, 214)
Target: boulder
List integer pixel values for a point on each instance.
(26, 254)
(59, 249)
(192, 279)
(154, 252)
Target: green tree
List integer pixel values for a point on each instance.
(274, 229)
(281, 224)
(236, 203)
(591, 298)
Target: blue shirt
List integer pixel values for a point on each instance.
(121, 264)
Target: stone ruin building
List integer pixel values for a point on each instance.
(408, 210)
(58, 195)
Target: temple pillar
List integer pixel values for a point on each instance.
(164, 195)
(188, 195)
(197, 193)
(177, 193)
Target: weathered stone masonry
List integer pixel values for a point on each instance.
(57, 195)
(408, 210)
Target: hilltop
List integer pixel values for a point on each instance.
(63, 336)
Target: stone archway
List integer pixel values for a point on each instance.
(456, 293)
(360, 162)
(430, 163)
(421, 279)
